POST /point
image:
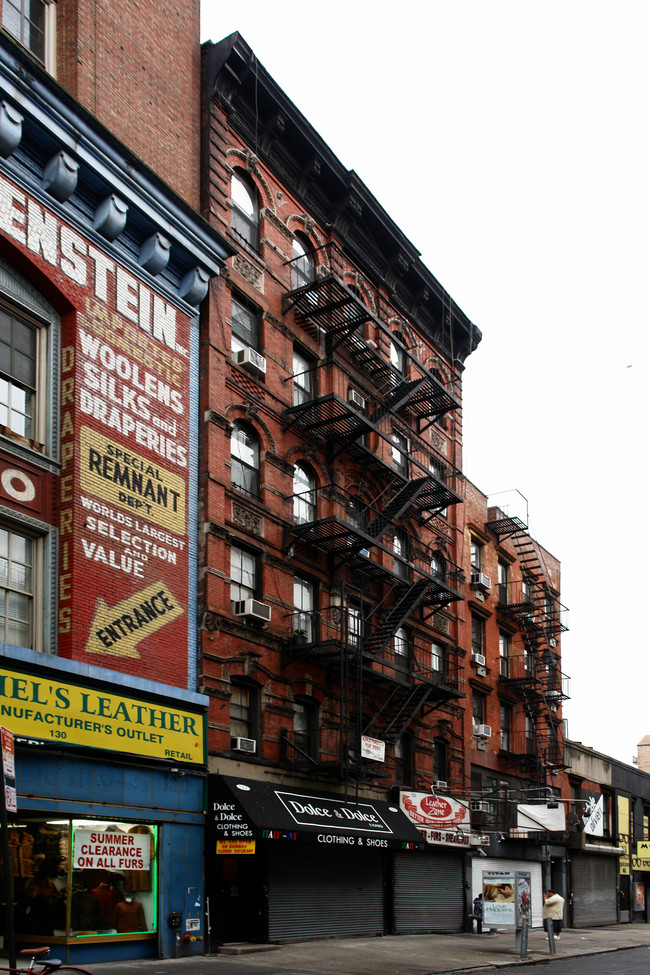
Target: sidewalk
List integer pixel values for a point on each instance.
(404, 955)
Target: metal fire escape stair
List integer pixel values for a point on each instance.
(398, 504)
(401, 707)
(407, 598)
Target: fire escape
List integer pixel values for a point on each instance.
(385, 681)
(533, 605)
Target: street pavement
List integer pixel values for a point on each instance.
(394, 955)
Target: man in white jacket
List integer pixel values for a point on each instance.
(553, 912)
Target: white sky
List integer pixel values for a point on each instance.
(509, 141)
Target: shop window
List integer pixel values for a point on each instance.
(245, 209)
(78, 878)
(245, 325)
(245, 458)
(304, 495)
(32, 22)
(303, 266)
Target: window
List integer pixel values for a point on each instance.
(400, 449)
(504, 654)
(475, 555)
(31, 22)
(243, 575)
(404, 759)
(440, 763)
(357, 519)
(17, 555)
(477, 635)
(438, 566)
(502, 579)
(506, 721)
(18, 371)
(303, 600)
(529, 735)
(356, 624)
(305, 726)
(304, 495)
(398, 357)
(478, 711)
(245, 209)
(302, 378)
(303, 267)
(245, 325)
(244, 711)
(401, 550)
(401, 644)
(438, 658)
(245, 458)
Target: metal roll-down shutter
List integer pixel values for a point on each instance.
(429, 893)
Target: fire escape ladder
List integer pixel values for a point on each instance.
(396, 507)
(402, 393)
(407, 599)
(401, 708)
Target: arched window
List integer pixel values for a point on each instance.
(245, 457)
(438, 567)
(304, 496)
(303, 268)
(245, 209)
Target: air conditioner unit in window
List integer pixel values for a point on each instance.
(247, 745)
(479, 805)
(254, 608)
(483, 731)
(481, 580)
(251, 360)
(478, 658)
(356, 399)
(440, 784)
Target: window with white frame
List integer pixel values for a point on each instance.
(20, 362)
(401, 643)
(304, 495)
(245, 208)
(478, 711)
(475, 555)
(244, 711)
(243, 574)
(32, 23)
(356, 624)
(245, 459)
(303, 600)
(398, 356)
(17, 579)
(400, 450)
(438, 657)
(502, 579)
(401, 550)
(504, 654)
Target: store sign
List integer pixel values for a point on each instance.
(435, 812)
(111, 851)
(642, 859)
(8, 771)
(445, 837)
(43, 708)
(593, 819)
(235, 847)
(320, 811)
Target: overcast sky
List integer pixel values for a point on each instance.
(509, 140)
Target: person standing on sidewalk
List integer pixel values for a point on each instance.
(478, 913)
(553, 912)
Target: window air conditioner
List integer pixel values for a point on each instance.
(247, 745)
(479, 805)
(251, 360)
(478, 658)
(253, 607)
(356, 399)
(481, 580)
(483, 731)
(441, 784)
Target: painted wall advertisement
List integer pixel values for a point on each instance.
(124, 434)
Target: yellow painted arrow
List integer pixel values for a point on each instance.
(117, 630)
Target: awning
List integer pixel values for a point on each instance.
(243, 809)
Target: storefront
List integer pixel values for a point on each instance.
(593, 876)
(289, 865)
(106, 846)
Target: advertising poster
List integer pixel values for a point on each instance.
(498, 898)
(523, 898)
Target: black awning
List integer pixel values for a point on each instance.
(243, 809)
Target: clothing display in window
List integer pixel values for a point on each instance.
(129, 916)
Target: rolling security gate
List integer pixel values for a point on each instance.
(317, 892)
(594, 890)
(429, 893)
